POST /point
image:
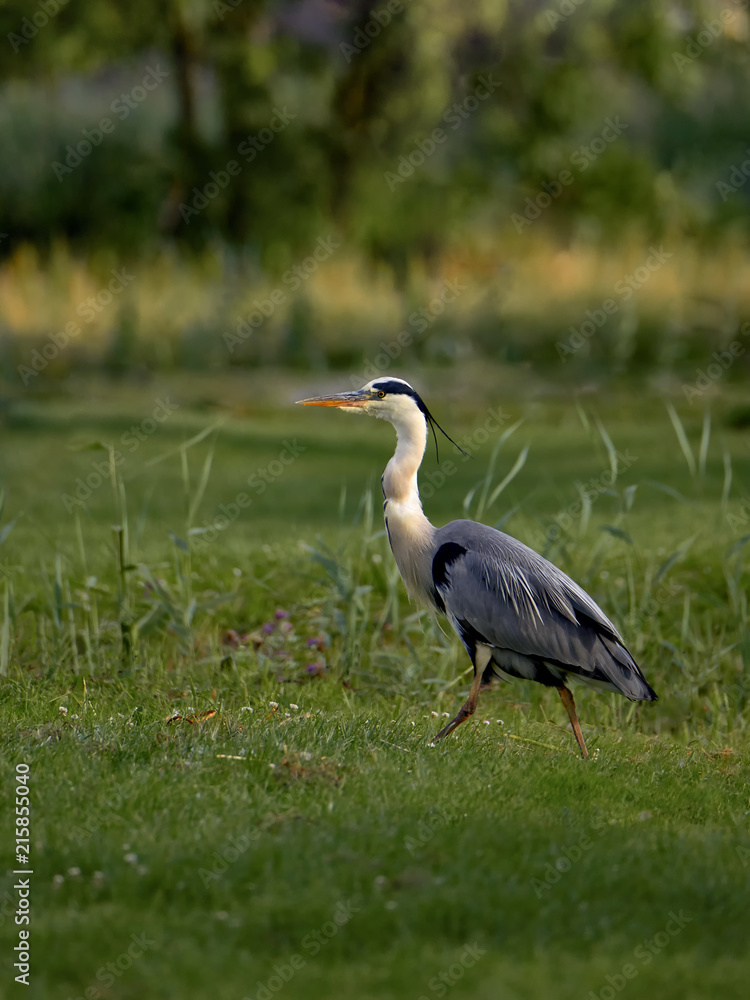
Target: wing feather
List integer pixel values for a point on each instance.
(520, 603)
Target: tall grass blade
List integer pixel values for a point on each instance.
(738, 546)
(682, 438)
(196, 439)
(5, 633)
(727, 485)
(611, 450)
(616, 532)
(202, 483)
(705, 438)
(517, 466)
(583, 417)
(676, 556)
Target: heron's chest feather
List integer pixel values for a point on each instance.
(412, 542)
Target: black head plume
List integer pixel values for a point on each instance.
(403, 388)
(432, 423)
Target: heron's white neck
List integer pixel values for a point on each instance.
(409, 531)
(400, 476)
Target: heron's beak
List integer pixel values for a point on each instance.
(347, 399)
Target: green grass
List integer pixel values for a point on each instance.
(233, 842)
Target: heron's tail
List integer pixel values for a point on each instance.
(623, 672)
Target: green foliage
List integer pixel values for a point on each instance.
(358, 108)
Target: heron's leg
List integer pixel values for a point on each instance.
(567, 699)
(481, 659)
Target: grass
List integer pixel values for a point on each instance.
(257, 805)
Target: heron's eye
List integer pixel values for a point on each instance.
(381, 394)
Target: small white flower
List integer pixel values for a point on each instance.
(62, 710)
(74, 872)
(246, 708)
(130, 858)
(57, 881)
(446, 715)
(435, 715)
(274, 704)
(294, 707)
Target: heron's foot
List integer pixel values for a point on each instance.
(465, 712)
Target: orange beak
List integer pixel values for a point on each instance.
(347, 399)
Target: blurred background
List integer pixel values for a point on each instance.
(537, 212)
(205, 186)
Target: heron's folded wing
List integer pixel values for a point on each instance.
(517, 600)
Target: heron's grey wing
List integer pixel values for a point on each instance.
(498, 591)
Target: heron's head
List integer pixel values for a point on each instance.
(392, 399)
(389, 398)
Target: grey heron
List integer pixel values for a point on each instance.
(517, 614)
